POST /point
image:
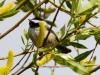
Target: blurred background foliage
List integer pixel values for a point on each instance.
(70, 34)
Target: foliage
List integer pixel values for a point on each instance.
(75, 28)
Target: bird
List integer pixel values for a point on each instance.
(52, 38)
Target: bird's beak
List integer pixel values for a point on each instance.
(29, 19)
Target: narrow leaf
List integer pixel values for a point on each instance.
(64, 59)
(30, 5)
(68, 4)
(2, 3)
(83, 55)
(32, 68)
(62, 30)
(87, 8)
(34, 58)
(50, 23)
(43, 49)
(77, 45)
(82, 36)
(9, 14)
(26, 34)
(22, 40)
(97, 38)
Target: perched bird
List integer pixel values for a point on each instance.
(52, 38)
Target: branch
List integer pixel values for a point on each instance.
(20, 4)
(91, 24)
(53, 22)
(95, 69)
(22, 65)
(3, 58)
(62, 9)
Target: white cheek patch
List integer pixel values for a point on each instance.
(35, 21)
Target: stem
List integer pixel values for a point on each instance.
(22, 65)
(61, 9)
(95, 69)
(20, 4)
(4, 58)
(53, 23)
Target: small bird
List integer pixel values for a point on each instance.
(52, 38)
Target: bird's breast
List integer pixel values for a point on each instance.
(34, 33)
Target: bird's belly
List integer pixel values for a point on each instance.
(34, 33)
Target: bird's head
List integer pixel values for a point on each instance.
(35, 22)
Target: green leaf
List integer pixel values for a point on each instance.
(95, 31)
(43, 49)
(77, 45)
(59, 60)
(82, 36)
(60, 1)
(22, 48)
(74, 6)
(2, 3)
(67, 60)
(68, 4)
(34, 58)
(26, 34)
(62, 31)
(83, 55)
(97, 38)
(25, 8)
(22, 40)
(50, 23)
(32, 68)
(18, 1)
(66, 42)
(87, 8)
(79, 5)
(8, 14)
(30, 5)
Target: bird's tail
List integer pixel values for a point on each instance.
(63, 49)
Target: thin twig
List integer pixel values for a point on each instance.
(36, 73)
(20, 4)
(4, 58)
(18, 63)
(91, 24)
(94, 69)
(45, 11)
(94, 49)
(16, 25)
(22, 65)
(27, 67)
(53, 66)
(21, 58)
(61, 9)
(40, 8)
(53, 23)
